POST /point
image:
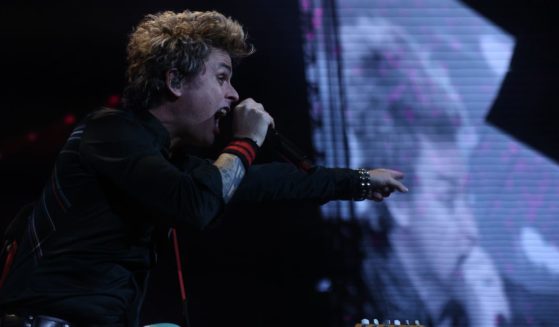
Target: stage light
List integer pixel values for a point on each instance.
(113, 101)
(31, 137)
(69, 119)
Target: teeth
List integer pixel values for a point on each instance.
(221, 113)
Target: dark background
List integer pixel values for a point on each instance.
(526, 106)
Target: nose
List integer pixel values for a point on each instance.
(232, 94)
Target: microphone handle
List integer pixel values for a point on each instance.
(289, 151)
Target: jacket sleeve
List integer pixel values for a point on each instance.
(279, 181)
(120, 151)
(284, 182)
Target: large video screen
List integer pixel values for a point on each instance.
(407, 84)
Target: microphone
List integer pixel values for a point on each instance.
(288, 151)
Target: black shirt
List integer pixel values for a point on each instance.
(88, 245)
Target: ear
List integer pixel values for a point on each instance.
(173, 82)
(400, 211)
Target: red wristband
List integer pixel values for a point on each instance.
(244, 148)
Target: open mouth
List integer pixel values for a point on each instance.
(221, 113)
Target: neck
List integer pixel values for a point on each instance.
(165, 117)
(164, 114)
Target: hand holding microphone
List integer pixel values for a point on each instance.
(250, 120)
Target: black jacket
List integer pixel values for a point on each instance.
(88, 243)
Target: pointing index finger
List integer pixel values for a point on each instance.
(399, 186)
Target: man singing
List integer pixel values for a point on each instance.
(87, 246)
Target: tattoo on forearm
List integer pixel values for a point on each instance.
(232, 172)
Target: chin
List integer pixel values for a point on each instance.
(209, 141)
(201, 140)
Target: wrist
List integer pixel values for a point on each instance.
(244, 148)
(250, 138)
(364, 188)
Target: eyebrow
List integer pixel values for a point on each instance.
(226, 66)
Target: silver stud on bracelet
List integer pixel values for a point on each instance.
(364, 184)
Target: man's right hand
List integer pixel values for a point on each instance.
(384, 182)
(251, 120)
